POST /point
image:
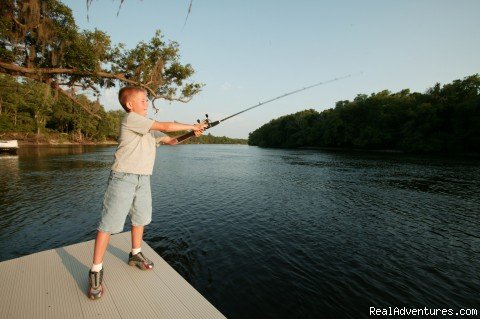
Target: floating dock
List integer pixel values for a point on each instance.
(10, 146)
(54, 284)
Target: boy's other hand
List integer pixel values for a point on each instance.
(198, 133)
(200, 127)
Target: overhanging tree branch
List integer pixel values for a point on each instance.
(42, 74)
(76, 101)
(40, 40)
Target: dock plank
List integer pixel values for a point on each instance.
(54, 284)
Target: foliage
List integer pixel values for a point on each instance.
(25, 108)
(39, 40)
(209, 139)
(444, 119)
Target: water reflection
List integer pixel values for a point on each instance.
(273, 233)
(9, 162)
(9, 169)
(51, 151)
(64, 158)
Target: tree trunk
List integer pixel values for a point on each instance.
(38, 125)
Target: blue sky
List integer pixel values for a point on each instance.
(249, 51)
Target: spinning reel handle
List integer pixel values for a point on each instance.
(191, 134)
(205, 121)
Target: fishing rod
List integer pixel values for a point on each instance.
(212, 124)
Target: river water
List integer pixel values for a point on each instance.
(273, 233)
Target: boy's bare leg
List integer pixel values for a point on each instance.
(136, 257)
(101, 243)
(137, 236)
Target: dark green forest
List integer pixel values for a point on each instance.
(444, 119)
(208, 138)
(31, 112)
(29, 108)
(211, 139)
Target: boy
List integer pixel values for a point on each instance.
(128, 191)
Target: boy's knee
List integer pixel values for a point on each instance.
(141, 223)
(110, 229)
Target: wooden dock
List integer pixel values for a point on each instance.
(54, 284)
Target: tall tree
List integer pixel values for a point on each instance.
(442, 120)
(40, 40)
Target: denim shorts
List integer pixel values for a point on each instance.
(126, 194)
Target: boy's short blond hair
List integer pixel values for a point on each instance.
(125, 93)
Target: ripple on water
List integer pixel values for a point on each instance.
(265, 233)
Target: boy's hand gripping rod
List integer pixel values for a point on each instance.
(212, 124)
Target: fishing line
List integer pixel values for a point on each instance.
(285, 95)
(212, 124)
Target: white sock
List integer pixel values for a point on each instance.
(97, 267)
(136, 250)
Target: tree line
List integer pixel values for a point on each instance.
(444, 119)
(45, 58)
(208, 138)
(28, 108)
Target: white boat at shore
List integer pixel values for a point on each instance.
(10, 146)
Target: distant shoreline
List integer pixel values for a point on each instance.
(59, 139)
(50, 139)
(53, 143)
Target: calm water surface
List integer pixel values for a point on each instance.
(265, 233)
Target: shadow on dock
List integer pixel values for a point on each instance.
(76, 268)
(79, 270)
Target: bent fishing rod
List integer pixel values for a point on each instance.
(212, 124)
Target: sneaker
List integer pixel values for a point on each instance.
(95, 283)
(140, 261)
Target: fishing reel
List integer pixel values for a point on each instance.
(207, 121)
(192, 133)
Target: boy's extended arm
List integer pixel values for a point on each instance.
(172, 126)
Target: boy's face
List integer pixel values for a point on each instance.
(138, 103)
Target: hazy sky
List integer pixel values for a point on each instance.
(250, 51)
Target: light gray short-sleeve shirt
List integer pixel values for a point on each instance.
(136, 149)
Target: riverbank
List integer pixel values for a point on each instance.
(33, 139)
(56, 138)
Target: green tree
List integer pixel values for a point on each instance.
(39, 40)
(445, 119)
(26, 108)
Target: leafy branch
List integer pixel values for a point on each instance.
(40, 40)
